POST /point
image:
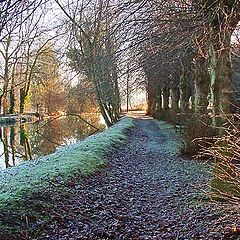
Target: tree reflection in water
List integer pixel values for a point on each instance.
(23, 142)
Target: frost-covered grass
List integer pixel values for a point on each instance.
(171, 147)
(80, 159)
(172, 144)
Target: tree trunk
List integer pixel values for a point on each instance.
(117, 99)
(175, 97)
(151, 100)
(22, 100)
(185, 92)
(225, 74)
(166, 95)
(11, 101)
(159, 99)
(5, 104)
(202, 85)
(102, 109)
(221, 78)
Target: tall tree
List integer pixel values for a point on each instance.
(48, 88)
(221, 19)
(93, 53)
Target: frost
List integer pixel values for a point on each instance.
(82, 158)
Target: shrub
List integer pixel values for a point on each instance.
(225, 184)
(195, 134)
(167, 115)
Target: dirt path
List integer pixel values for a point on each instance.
(146, 192)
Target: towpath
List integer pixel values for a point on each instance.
(146, 192)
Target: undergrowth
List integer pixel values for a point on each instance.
(197, 130)
(225, 151)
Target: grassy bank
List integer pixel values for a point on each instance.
(173, 142)
(20, 187)
(197, 169)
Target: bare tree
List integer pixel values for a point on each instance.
(93, 52)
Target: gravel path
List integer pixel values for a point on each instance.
(146, 192)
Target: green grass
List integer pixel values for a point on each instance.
(35, 177)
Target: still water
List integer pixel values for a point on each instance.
(23, 142)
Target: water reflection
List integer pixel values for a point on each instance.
(23, 142)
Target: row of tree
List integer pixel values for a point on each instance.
(182, 48)
(186, 54)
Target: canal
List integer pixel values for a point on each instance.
(24, 142)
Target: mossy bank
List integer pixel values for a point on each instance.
(24, 190)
